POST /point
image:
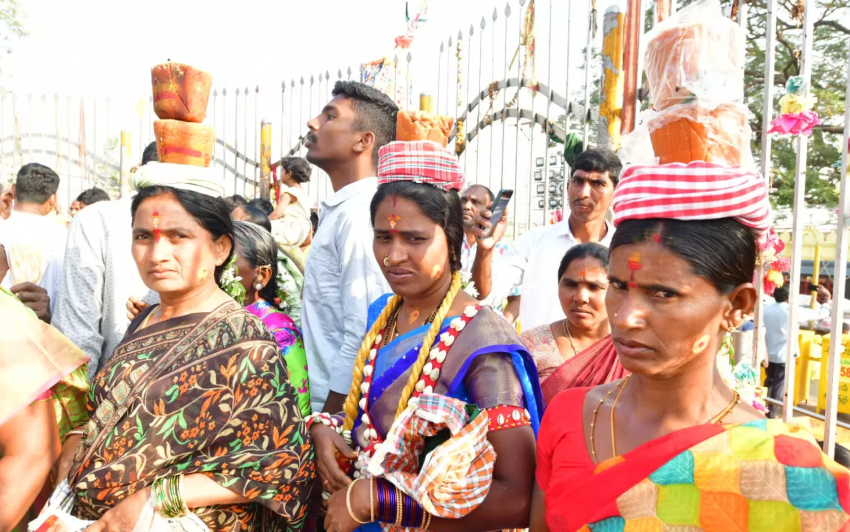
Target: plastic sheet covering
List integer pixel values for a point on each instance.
(691, 132)
(695, 56)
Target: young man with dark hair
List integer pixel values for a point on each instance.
(32, 244)
(86, 198)
(100, 277)
(531, 263)
(342, 276)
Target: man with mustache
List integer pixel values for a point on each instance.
(531, 263)
(342, 276)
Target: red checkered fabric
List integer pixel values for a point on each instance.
(694, 191)
(422, 161)
(456, 477)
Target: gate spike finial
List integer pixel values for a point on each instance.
(472, 29)
(450, 41)
(302, 80)
(521, 3)
(257, 89)
(395, 60)
(237, 91)
(495, 14)
(483, 22)
(327, 75)
(507, 10)
(409, 57)
(215, 93)
(283, 86)
(459, 35)
(339, 73)
(246, 90)
(224, 92)
(442, 46)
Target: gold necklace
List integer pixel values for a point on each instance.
(392, 323)
(593, 418)
(736, 399)
(569, 336)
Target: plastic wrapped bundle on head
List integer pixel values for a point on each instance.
(420, 161)
(192, 178)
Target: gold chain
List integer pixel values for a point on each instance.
(569, 336)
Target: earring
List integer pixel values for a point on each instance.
(387, 261)
(258, 286)
(733, 329)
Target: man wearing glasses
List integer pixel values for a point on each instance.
(531, 262)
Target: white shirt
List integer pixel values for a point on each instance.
(101, 276)
(341, 279)
(294, 227)
(531, 263)
(35, 250)
(776, 327)
(467, 258)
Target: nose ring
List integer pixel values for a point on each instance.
(387, 261)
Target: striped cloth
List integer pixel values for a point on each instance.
(421, 161)
(183, 176)
(696, 191)
(456, 476)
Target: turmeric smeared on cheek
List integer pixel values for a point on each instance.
(204, 274)
(701, 344)
(436, 272)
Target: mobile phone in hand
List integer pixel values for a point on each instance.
(498, 208)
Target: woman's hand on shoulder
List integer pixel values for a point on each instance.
(123, 516)
(134, 307)
(328, 444)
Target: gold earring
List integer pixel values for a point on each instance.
(387, 261)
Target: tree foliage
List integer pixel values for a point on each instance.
(11, 24)
(829, 81)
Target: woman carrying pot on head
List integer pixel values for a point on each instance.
(577, 351)
(429, 345)
(671, 446)
(197, 390)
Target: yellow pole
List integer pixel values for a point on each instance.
(426, 103)
(611, 104)
(124, 187)
(266, 159)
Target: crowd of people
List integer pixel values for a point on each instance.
(221, 358)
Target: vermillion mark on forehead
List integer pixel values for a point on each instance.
(155, 220)
(634, 265)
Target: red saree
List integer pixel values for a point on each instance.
(595, 365)
(760, 476)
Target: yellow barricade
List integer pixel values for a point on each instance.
(844, 376)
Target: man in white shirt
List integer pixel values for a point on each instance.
(531, 262)
(342, 277)
(100, 277)
(32, 244)
(776, 335)
(473, 200)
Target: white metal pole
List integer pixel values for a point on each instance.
(799, 217)
(588, 54)
(835, 344)
(766, 117)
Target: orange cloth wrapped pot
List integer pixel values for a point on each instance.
(184, 142)
(419, 125)
(688, 132)
(697, 61)
(180, 92)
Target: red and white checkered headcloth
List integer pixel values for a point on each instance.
(421, 161)
(696, 191)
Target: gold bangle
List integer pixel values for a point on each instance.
(427, 521)
(371, 500)
(348, 503)
(399, 513)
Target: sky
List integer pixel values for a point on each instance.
(98, 50)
